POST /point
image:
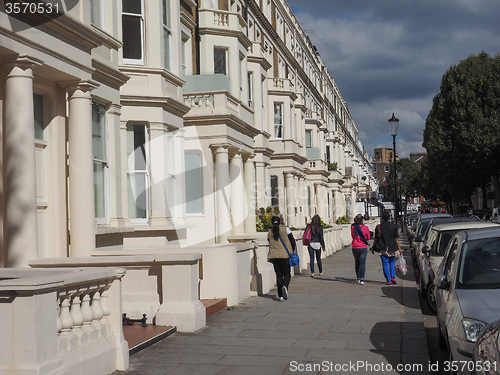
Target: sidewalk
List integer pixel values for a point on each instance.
(328, 325)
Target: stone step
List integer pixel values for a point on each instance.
(214, 305)
(139, 337)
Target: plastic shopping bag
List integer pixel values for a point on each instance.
(401, 267)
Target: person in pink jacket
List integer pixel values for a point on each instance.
(360, 236)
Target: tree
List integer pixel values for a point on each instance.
(462, 130)
(410, 183)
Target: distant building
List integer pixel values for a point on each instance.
(383, 157)
(418, 158)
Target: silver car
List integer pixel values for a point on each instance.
(468, 290)
(432, 254)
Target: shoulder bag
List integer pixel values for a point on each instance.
(379, 244)
(293, 258)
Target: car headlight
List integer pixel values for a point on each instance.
(472, 328)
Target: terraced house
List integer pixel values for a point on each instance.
(139, 137)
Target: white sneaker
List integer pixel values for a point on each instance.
(361, 282)
(285, 292)
(282, 299)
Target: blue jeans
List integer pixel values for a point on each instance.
(313, 252)
(389, 267)
(359, 262)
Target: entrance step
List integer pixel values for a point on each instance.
(214, 305)
(139, 337)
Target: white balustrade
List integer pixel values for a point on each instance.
(82, 334)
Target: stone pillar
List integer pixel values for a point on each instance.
(223, 219)
(238, 204)
(289, 202)
(250, 190)
(296, 201)
(19, 163)
(81, 172)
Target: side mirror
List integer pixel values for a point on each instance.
(418, 239)
(441, 281)
(426, 251)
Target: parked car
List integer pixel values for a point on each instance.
(483, 215)
(423, 229)
(429, 259)
(419, 227)
(486, 354)
(468, 290)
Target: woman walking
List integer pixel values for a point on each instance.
(360, 236)
(389, 235)
(280, 236)
(317, 243)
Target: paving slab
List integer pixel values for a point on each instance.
(330, 324)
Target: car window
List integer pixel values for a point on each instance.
(422, 228)
(442, 241)
(479, 266)
(431, 242)
(450, 260)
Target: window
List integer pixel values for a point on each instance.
(38, 111)
(327, 154)
(138, 175)
(250, 90)
(97, 13)
(167, 34)
(386, 169)
(308, 138)
(278, 120)
(133, 31)
(184, 54)
(194, 186)
(220, 61)
(100, 157)
(274, 191)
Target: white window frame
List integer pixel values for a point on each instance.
(308, 140)
(104, 220)
(97, 13)
(187, 183)
(226, 72)
(146, 172)
(278, 122)
(142, 23)
(167, 35)
(250, 89)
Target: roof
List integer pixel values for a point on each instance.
(463, 225)
(482, 233)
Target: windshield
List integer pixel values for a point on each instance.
(479, 266)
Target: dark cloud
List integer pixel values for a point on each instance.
(389, 55)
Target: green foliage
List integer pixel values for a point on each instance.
(462, 130)
(343, 220)
(263, 217)
(411, 180)
(333, 166)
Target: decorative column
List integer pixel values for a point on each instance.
(222, 215)
(238, 204)
(19, 163)
(289, 202)
(250, 192)
(81, 174)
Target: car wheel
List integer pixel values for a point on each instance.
(431, 297)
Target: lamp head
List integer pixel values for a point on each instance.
(393, 125)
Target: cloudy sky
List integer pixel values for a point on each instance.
(390, 55)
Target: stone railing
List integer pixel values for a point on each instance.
(210, 18)
(162, 286)
(61, 321)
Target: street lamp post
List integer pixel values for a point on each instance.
(393, 127)
(400, 178)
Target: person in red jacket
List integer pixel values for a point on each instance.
(360, 236)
